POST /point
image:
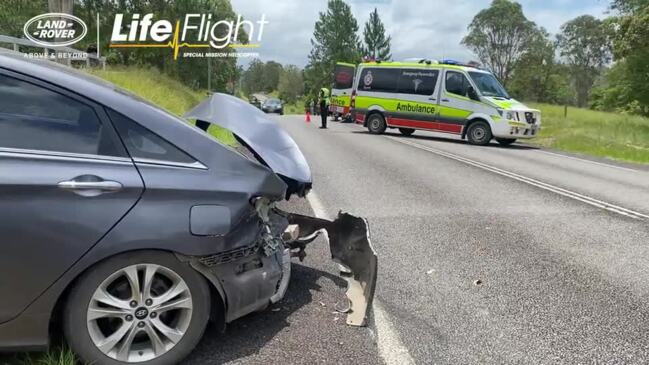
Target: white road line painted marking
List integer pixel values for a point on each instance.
(316, 205)
(391, 349)
(555, 189)
(587, 161)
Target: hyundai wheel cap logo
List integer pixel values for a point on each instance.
(141, 313)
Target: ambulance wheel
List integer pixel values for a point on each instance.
(406, 131)
(376, 123)
(506, 141)
(479, 133)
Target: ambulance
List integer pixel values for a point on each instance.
(438, 96)
(341, 91)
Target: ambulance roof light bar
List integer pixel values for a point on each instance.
(458, 63)
(421, 60)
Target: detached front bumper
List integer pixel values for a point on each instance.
(251, 277)
(350, 246)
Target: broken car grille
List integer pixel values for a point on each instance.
(228, 256)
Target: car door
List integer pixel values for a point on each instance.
(454, 106)
(65, 181)
(417, 89)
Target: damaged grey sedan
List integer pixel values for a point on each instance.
(126, 229)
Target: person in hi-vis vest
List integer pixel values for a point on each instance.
(324, 106)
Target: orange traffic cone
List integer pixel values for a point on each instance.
(308, 117)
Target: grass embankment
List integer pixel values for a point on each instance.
(296, 107)
(611, 135)
(163, 91)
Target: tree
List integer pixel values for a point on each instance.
(60, 6)
(499, 35)
(537, 76)
(585, 44)
(334, 40)
(377, 45)
(291, 83)
(629, 7)
(15, 13)
(261, 77)
(626, 85)
(272, 72)
(253, 77)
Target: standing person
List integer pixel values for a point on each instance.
(324, 106)
(312, 107)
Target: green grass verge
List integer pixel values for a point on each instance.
(615, 136)
(163, 91)
(56, 356)
(296, 107)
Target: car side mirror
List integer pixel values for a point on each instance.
(472, 94)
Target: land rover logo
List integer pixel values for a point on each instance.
(368, 78)
(55, 29)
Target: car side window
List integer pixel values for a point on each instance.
(379, 80)
(418, 82)
(36, 118)
(144, 144)
(457, 83)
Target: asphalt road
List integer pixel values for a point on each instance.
(486, 255)
(494, 255)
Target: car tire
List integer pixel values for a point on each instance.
(376, 123)
(172, 284)
(479, 133)
(506, 141)
(406, 131)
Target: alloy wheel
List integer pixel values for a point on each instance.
(139, 313)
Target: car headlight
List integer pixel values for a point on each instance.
(500, 111)
(510, 116)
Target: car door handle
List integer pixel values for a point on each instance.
(90, 188)
(445, 100)
(431, 98)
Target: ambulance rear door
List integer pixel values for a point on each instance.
(342, 88)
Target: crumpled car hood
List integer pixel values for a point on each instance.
(267, 140)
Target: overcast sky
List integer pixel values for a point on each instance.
(419, 28)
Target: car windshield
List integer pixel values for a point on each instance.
(272, 102)
(488, 84)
